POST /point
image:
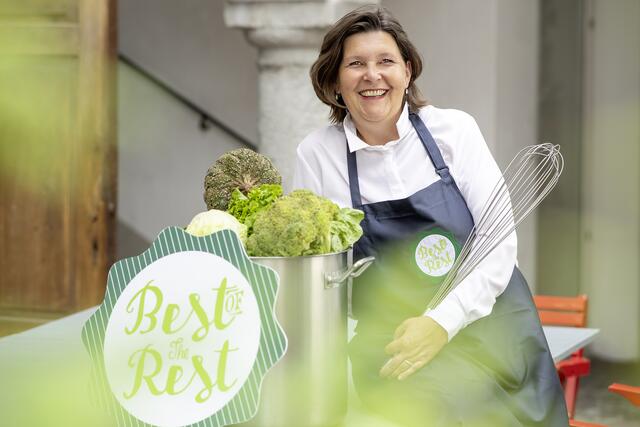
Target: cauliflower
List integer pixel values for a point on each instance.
(209, 222)
(294, 225)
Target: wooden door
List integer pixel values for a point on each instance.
(57, 157)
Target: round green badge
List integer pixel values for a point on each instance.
(435, 254)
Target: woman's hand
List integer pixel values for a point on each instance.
(416, 341)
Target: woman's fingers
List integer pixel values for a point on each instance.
(400, 329)
(401, 368)
(412, 370)
(395, 346)
(391, 365)
(417, 341)
(401, 360)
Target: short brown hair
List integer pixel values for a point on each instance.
(324, 72)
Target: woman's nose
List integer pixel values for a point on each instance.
(372, 73)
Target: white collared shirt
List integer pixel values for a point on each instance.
(402, 167)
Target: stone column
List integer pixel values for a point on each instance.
(287, 34)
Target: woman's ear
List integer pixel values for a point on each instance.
(408, 72)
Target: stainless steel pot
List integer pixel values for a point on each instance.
(308, 387)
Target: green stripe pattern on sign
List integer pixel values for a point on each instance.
(264, 283)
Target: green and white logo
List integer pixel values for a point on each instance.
(435, 254)
(186, 333)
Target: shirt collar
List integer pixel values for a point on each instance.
(403, 125)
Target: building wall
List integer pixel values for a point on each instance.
(163, 156)
(560, 121)
(187, 45)
(611, 177)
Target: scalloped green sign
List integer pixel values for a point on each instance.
(186, 333)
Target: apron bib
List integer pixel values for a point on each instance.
(497, 371)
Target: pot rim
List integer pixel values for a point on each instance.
(303, 256)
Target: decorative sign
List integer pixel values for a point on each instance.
(436, 253)
(186, 333)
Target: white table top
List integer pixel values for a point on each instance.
(563, 341)
(53, 357)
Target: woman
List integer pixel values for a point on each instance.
(422, 175)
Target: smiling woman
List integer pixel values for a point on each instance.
(422, 175)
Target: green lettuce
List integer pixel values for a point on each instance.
(245, 208)
(345, 229)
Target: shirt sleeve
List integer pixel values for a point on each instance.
(304, 176)
(476, 174)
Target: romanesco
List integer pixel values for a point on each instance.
(303, 223)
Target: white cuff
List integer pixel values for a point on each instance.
(449, 314)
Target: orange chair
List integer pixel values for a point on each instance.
(566, 311)
(574, 423)
(632, 394)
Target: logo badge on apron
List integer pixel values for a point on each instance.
(436, 252)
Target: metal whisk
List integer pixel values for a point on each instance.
(526, 181)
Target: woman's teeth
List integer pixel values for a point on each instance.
(377, 92)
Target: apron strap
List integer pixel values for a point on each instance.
(427, 141)
(432, 148)
(354, 183)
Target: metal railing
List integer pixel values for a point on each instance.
(206, 119)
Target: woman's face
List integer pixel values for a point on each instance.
(373, 78)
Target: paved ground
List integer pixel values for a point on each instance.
(597, 405)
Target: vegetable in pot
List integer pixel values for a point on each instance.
(245, 208)
(345, 229)
(303, 223)
(209, 222)
(241, 169)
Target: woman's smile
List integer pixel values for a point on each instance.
(373, 93)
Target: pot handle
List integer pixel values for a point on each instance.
(335, 278)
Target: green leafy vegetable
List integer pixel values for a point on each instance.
(245, 208)
(345, 229)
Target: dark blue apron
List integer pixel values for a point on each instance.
(496, 372)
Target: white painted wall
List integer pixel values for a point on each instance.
(611, 178)
(457, 40)
(163, 157)
(187, 45)
(516, 111)
(482, 57)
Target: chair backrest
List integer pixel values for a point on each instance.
(562, 311)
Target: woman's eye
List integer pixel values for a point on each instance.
(387, 61)
(355, 63)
